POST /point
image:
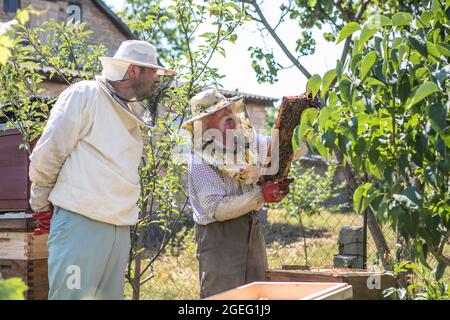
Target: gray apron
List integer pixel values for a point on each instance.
(230, 253)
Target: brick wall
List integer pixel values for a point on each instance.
(104, 30)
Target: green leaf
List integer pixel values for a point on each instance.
(313, 84)
(233, 38)
(374, 154)
(321, 148)
(328, 78)
(433, 50)
(421, 72)
(379, 20)
(366, 33)
(367, 63)
(419, 45)
(364, 196)
(298, 135)
(344, 88)
(426, 17)
(328, 138)
(348, 30)
(438, 115)
(440, 270)
(309, 116)
(410, 198)
(431, 175)
(422, 92)
(401, 19)
(328, 117)
(443, 50)
(5, 53)
(374, 82)
(355, 61)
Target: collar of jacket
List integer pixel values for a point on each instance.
(135, 109)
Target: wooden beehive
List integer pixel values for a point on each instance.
(287, 291)
(14, 182)
(22, 254)
(367, 285)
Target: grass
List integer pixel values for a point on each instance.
(176, 272)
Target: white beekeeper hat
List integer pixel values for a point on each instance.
(136, 52)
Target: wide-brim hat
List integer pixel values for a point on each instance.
(140, 53)
(211, 101)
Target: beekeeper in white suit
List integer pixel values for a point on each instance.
(84, 174)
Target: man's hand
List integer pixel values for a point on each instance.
(275, 191)
(43, 221)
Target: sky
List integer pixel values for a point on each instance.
(237, 65)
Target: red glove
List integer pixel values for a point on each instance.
(43, 221)
(275, 191)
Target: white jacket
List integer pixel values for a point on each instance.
(87, 158)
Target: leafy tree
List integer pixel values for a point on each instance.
(388, 116)
(340, 17)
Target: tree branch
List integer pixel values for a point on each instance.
(277, 38)
(358, 17)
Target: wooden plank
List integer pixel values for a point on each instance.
(293, 276)
(344, 293)
(289, 115)
(359, 280)
(23, 246)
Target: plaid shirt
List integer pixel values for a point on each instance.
(208, 186)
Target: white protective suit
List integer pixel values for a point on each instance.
(87, 158)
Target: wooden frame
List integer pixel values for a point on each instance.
(287, 291)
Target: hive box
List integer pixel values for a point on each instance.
(14, 182)
(287, 291)
(367, 285)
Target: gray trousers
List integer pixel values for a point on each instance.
(230, 254)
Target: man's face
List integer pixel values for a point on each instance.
(223, 120)
(145, 80)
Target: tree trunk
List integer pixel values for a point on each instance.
(137, 266)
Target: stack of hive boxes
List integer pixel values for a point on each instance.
(351, 248)
(24, 255)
